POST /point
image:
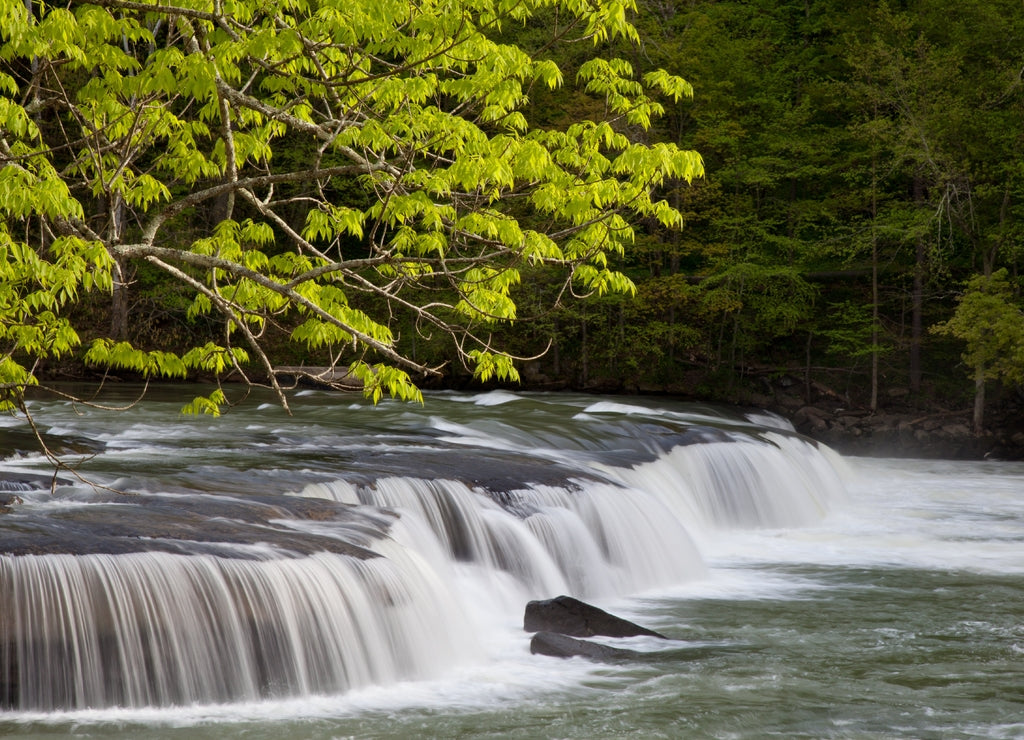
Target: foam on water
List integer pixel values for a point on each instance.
(724, 484)
(929, 515)
(495, 398)
(444, 590)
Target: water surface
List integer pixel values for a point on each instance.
(804, 595)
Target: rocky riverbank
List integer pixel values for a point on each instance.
(902, 427)
(918, 434)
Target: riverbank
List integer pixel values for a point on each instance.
(905, 431)
(941, 435)
(902, 427)
(899, 429)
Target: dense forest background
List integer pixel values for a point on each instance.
(863, 163)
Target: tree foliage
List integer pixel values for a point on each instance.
(990, 323)
(319, 167)
(366, 179)
(872, 151)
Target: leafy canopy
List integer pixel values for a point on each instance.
(991, 325)
(313, 165)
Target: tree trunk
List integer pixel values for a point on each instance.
(621, 327)
(807, 367)
(917, 295)
(119, 296)
(672, 335)
(874, 288)
(583, 350)
(119, 303)
(979, 399)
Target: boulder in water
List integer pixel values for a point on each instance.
(7, 501)
(568, 616)
(563, 646)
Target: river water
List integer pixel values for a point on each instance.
(361, 571)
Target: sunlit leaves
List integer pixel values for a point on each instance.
(603, 280)
(489, 365)
(319, 170)
(34, 291)
(379, 379)
(209, 405)
(671, 85)
(486, 294)
(214, 358)
(122, 355)
(326, 224)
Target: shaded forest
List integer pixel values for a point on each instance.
(857, 234)
(863, 164)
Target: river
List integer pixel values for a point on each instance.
(360, 571)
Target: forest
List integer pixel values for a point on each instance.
(704, 198)
(858, 226)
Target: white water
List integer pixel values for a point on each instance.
(598, 541)
(158, 629)
(725, 484)
(442, 599)
(926, 514)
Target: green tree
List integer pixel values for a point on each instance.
(321, 167)
(991, 323)
(873, 149)
(772, 206)
(941, 98)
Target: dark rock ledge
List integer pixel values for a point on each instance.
(555, 645)
(560, 621)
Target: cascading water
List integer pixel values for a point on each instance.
(723, 484)
(356, 545)
(156, 629)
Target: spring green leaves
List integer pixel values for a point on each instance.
(990, 322)
(315, 168)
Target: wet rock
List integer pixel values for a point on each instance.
(198, 525)
(788, 401)
(942, 434)
(562, 646)
(811, 418)
(20, 481)
(568, 616)
(957, 430)
(18, 442)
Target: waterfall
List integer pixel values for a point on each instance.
(153, 628)
(592, 539)
(390, 555)
(779, 481)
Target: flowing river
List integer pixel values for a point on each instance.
(361, 571)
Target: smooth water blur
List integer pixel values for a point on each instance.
(894, 610)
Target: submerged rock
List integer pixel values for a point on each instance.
(563, 646)
(568, 616)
